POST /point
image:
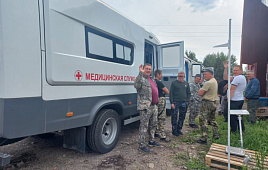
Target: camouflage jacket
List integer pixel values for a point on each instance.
(144, 90)
(194, 88)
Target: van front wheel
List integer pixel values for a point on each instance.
(103, 134)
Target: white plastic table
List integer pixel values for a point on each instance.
(239, 113)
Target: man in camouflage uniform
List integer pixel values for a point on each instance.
(147, 106)
(162, 90)
(208, 108)
(194, 101)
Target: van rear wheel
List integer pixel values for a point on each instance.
(103, 134)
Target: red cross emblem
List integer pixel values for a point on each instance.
(78, 75)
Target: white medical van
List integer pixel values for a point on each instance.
(69, 65)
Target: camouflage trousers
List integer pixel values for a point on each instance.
(194, 111)
(160, 130)
(252, 104)
(207, 116)
(148, 123)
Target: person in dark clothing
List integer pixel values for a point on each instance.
(179, 98)
(252, 95)
(162, 90)
(221, 94)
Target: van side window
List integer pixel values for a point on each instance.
(93, 43)
(105, 47)
(127, 52)
(119, 51)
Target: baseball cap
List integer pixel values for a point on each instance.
(197, 75)
(207, 70)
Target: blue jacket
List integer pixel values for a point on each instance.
(253, 89)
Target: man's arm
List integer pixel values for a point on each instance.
(232, 89)
(192, 92)
(188, 92)
(139, 80)
(162, 86)
(225, 72)
(165, 90)
(171, 95)
(201, 92)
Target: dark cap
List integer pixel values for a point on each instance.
(207, 70)
(197, 75)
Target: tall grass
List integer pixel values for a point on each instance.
(255, 138)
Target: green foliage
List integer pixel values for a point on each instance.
(255, 138)
(191, 55)
(215, 60)
(189, 161)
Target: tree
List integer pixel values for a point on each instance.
(191, 55)
(215, 60)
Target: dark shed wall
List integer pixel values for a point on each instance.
(255, 38)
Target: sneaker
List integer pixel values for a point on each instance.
(193, 126)
(167, 139)
(145, 149)
(175, 134)
(153, 143)
(180, 133)
(201, 141)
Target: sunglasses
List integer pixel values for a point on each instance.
(180, 76)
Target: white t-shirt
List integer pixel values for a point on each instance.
(240, 83)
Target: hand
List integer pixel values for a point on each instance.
(245, 99)
(141, 68)
(172, 106)
(225, 64)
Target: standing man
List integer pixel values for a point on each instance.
(238, 85)
(179, 97)
(147, 105)
(208, 109)
(162, 90)
(194, 101)
(252, 95)
(221, 94)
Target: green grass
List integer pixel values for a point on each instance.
(189, 162)
(255, 138)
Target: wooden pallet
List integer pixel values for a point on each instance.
(217, 158)
(262, 111)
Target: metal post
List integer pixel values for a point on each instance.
(240, 129)
(229, 86)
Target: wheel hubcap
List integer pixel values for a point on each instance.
(109, 131)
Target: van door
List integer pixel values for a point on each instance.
(150, 55)
(171, 62)
(196, 69)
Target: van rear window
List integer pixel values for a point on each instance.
(105, 47)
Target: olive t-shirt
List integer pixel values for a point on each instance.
(211, 88)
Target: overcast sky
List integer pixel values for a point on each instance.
(201, 24)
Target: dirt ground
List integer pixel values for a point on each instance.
(39, 153)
